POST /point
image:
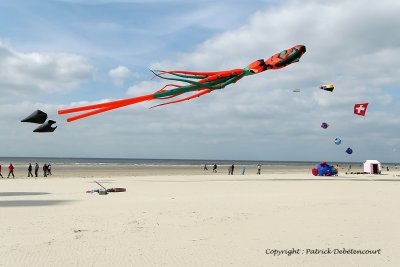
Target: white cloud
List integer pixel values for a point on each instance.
(28, 73)
(120, 74)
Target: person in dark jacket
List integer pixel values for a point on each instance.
(215, 168)
(36, 169)
(30, 170)
(45, 170)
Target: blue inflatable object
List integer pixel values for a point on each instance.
(349, 150)
(338, 141)
(325, 169)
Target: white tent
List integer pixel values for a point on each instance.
(372, 166)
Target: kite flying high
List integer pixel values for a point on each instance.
(200, 82)
(327, 87)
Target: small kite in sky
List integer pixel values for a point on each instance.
(199, 82)
(338, 141)
(296, 91)
(360, 109)
(324, 125)
(349, 151)
(327, 87)
(37, 116)
(46, 127)
(40, 117)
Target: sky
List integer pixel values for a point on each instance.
(66, 53)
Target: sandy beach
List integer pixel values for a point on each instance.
(184, 216)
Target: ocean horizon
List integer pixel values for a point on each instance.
(161, 162)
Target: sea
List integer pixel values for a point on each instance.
(160, 162)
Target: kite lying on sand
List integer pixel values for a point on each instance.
(200, 82)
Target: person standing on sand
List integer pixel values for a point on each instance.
(30, 170)
(232, 168)
(0, 172)
(45, 170)
(10, 171)
(259, 169)
(36, 169)
(205, 167)
(49, 169)
(243, 170)
(215, 168)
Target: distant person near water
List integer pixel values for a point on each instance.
(230, 169)
(30, 170)
(215, 168)
(49, 169)
(259, 169)
(205, 167)
(36, 169)
(45, 170)
(243, 170)
(10, 171)
(0, 172)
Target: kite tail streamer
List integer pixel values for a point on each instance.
(103, 107)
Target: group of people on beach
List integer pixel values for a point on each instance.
(46, 170)
(232, 168)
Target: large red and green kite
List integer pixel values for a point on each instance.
(199, 82)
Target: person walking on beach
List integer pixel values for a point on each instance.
(215, 168)
(36, 169)
(229, 170)
(10, 171)
(49, 169)
(243, 170)
(30, 170)
(232, 168)
(0, 172)
(259, 169)
(205, 167)
(45, 170)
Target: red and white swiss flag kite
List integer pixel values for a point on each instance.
(360, 109)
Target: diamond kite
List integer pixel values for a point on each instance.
(199, 82)
(360, 109)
